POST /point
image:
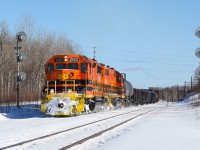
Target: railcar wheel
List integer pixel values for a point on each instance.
(91, 105)
(114, 102)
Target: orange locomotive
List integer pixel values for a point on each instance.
(76, 83)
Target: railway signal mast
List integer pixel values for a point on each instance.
(21, 76)
(197, 52)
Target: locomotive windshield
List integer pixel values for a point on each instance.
(83, 68)
(49, 68)
(73, 66)
(67, 66)
(61, 66)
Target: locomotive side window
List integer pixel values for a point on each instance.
(50, 68)
(99, 69)
(61, 66)
(118, 79)
(115, 73)
(107, 72)
(83, 68)
(73, 66)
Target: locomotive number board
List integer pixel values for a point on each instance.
(69, 59)
(59, 59)
(73, 59)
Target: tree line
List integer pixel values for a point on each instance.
(39, 46)
(177, 93)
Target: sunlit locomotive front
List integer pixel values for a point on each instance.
(75, 83)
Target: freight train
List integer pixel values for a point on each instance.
(76, 84)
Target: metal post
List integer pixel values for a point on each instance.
(65, 85)
(177, 92)
(74, 85)
(21, 36)
(18, 49)
(185, 89)
(55, 87)
(47, 87)
(172, 95)
(94, 51)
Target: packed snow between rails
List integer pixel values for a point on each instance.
(174, 127)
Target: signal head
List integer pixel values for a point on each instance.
(21, 36)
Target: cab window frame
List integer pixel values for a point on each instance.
(50, 68)
(119, 80)
(73, 64)
(83, 68)
(99, 69)
(60, 66)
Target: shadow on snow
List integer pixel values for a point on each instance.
(24, 112)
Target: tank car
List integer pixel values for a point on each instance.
(128, 92)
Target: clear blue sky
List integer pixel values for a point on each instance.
(152, 41)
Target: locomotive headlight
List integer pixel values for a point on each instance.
(60, 103)
(65, 58)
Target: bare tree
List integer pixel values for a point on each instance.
(38, 48)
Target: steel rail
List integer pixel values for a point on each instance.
(106, 130)
(56, 133)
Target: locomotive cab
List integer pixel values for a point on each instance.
(67, 72)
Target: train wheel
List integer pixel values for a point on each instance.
(91, 105)
(114, 102)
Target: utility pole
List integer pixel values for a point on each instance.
(172, 95)
(177, 93)
(94, 51)
(185, 89)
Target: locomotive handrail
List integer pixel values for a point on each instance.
(70, 81)
(65, 85)
(48, 86)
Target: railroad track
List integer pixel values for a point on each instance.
(101, 132)
(124, 118)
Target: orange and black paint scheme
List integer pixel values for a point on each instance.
(76, 84)
(82, 75)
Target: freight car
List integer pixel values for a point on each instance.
(143, 96)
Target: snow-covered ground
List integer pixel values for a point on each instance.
(174, 127)
(177, 127)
